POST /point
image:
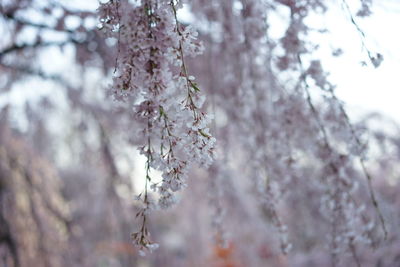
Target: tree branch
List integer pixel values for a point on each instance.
(38, 44)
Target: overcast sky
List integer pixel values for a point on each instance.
(367, 88)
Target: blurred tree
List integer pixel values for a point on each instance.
(289, 181)
(34, 219)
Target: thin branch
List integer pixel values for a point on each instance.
(38, 44)
(11, 16)
(375, 61)
(352, 131)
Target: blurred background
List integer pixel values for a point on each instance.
(68, 176)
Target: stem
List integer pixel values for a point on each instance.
(183, 65)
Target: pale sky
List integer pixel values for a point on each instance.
(367, 88)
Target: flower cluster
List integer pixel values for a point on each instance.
(153, 78)
(282, 127)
